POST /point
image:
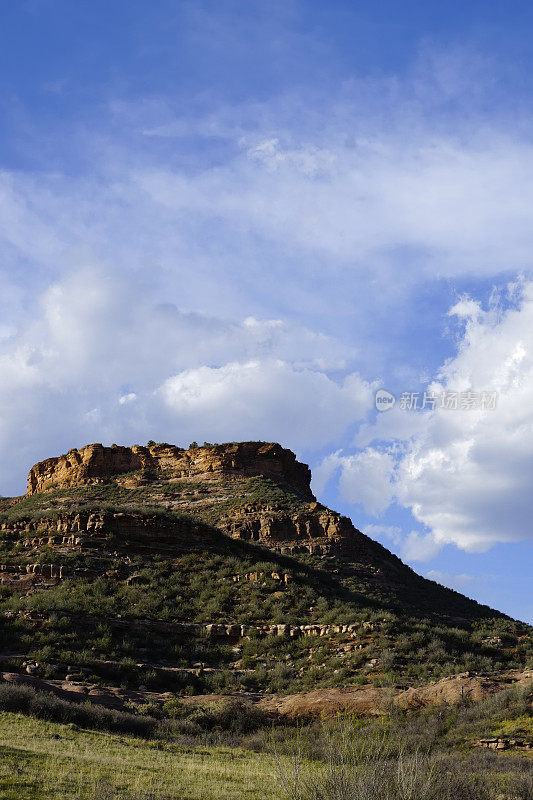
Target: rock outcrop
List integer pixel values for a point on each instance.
(271, 526)
(209, 484)
(136, 533)
(311, 528)
(365, 700)
(504, 744)
(95, 463)
(372, 700)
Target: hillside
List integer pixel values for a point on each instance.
(215, 570)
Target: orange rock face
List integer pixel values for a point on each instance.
(313, 528)
(371, 700)
(95, 463)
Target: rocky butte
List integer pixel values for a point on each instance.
(94, 463)
(299, 524)
(216, 566)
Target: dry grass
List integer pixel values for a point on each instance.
(353, 761)
(47, 760)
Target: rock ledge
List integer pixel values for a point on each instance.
(95, 463)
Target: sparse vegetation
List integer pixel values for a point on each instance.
(223, 751)
(410, 640)
(119, 619)
(351, 760)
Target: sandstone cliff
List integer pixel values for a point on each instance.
(211, 484)
(311, 528)
(95, 463)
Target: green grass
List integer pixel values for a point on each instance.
(40, 759)
(518, 728)
(47, 760)
(148, 498)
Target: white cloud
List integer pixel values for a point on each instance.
(127, 398)
(392, 532)
(255, 399)
(400, 166)
(366, 477)
(101, 361)
(419, 547)
(465, 474)
(466, 308)
(325, 471)
(345, 199)
(458, 582)
(463, 205)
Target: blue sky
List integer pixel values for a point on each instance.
(239, 220)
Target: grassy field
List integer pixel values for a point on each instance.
(46, 760)
(374, 758)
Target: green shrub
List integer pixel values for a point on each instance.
(219, 715)
(44, 705)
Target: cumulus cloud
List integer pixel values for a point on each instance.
(365, 477)
(465, 474)
(252, 400)
(102, 360)
(467, 477)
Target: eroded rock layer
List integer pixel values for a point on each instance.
(95, 463)
(312, 528)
